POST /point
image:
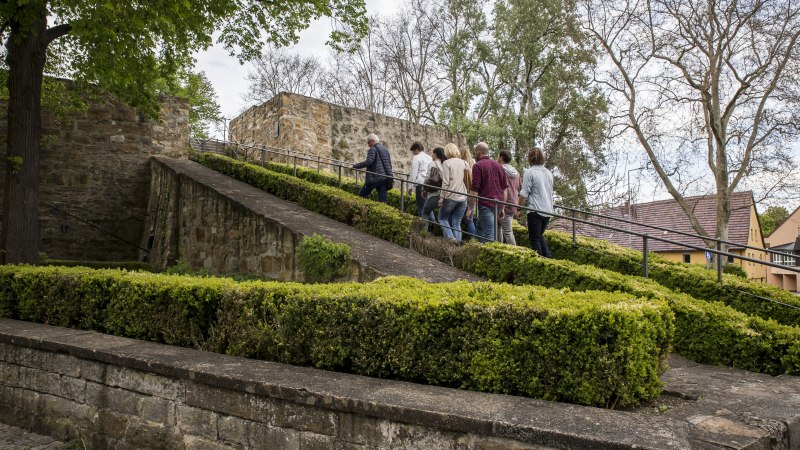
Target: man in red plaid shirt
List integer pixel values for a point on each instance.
(489, 180)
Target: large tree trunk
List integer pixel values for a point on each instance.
(26, 58)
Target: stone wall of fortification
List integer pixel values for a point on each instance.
(94, 167)
(318, 128)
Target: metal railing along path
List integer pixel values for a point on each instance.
(646, 238)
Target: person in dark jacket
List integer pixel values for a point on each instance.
(378, 165)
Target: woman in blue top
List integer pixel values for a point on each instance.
(537, 194)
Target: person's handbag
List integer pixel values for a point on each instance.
(433, 181)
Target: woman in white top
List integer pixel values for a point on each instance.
(452, 205)
(537, 194)
(431, 193)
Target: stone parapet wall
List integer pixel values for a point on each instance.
(318, 128)
(204, 228)
(117, 393)
(94, 168)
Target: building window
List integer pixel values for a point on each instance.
(687, 258)
(784, 259)
(730, 259)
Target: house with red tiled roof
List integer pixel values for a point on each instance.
(785, 238)
(743, 229)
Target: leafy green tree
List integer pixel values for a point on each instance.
(125, 47)
(772, 217)
(543, 94)
(204, 111)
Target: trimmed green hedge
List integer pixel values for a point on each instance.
(326, 178)
(750, 343)
(124, 265)
(374, 218)
(692, 279)
(590, 348)
(323, 260)
(707, 332)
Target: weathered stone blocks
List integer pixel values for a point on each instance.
(316, 128)
(95, 168)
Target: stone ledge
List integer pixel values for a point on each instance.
(376, 256)
(736, 409)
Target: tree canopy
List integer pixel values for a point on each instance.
(126, 47)
(771, 218)
(517, 78)
(709, 89)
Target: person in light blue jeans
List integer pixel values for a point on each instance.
(450, 215)
(453, 196)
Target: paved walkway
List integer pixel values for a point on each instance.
(382, 256)
(13, 438)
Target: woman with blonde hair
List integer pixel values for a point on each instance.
(537, 194)
(469, 217)
(452, 205)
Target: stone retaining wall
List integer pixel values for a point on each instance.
(318, 128)
(192, 222)
(94, 167)
(120, 393)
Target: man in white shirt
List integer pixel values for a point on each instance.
(419, 172)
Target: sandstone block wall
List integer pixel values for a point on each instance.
(192, 222)
(94, 167)
(318, 128)
(111, 398)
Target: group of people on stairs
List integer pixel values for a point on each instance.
(480, 193)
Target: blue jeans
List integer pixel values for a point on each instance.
(380, 186)
(536, 226)
(471, 225)
(431, 203)
(485, 224)
(450, 215)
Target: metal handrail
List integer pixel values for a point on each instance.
(670, 230)
(499, 204)
(303, 155)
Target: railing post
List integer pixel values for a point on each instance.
(319, 164)
(496, 238)
(340, 175)
(402, 196)
(356, 171)
(645, 256)
(295, 165)
(719, 262)
(574, 231)
(263, 154)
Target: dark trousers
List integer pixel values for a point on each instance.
(431, 203)
(420, 199)
(536, 226)
(379, 186)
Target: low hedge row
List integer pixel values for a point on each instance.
(348, 184)
(591, 348)
(751, 343)
(707, 332)
(736, 292)
(124, 265)
(377, 219)
(692, 279)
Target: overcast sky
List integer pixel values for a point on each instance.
(228, 76)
